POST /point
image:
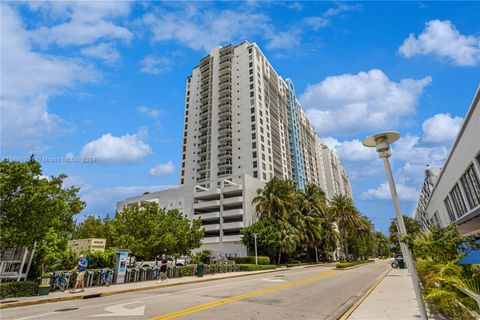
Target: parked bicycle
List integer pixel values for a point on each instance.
(60, 281)
(106, 277)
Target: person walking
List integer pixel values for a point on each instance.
(163, 269)
(82, 268)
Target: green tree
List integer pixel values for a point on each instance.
(266, 229)
(91, 227)
(347, 218)
(413, 227)
(287, 238)
(275, 199)
(32, 206)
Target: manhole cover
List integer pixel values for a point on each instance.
(66, 309)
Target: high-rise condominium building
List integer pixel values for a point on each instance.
(243, 126)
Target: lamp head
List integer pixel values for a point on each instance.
(381, 141)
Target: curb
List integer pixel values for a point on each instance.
(354, 267)
(362, 298)
(106, 294)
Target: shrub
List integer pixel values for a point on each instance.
(186, 271)
(18, 289)
(251, 260)
(254, 267)
(342, 265)
(202, 257)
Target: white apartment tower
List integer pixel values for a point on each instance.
(241, 117)
(243, 126)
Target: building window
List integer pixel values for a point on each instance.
(471, 187)
(450, 212)
(254, 154)
(264, 176)
(252, 110)
(458, 201)
(254, 136)
(253, 126)
(254, 145)
(255, 174)
(253, 118)
(255, 164)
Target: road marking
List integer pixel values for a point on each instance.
(181, 313)
(36, 316)
(274, 280)
(119, 310)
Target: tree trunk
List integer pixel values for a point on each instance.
(279, 256)
(316, 253)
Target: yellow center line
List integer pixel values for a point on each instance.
(184, 312)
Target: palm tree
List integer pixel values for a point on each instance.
(275, 199)
(316, 199)
(346, 216)
(287, 239)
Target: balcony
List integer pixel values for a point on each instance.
(203, 128)
(225, 75)
(206, 204)
(225, 129)
(207, 194)
(225, 61)
(225, 113)
(224, 173)
(227, 163)
(233, 213)
(224, 83)
(223, 106)
(226, 89)
(210, 240)
(203, 152)
(202, 169)
(233, 200)
(224, 69)
(227, 145)
(227, 53)
(225, 154)
(225, 98)
(211, 227)
(225, 137)
(224, 121)
(208, 216)
(234, 238)
(232, 188)
(233, 225)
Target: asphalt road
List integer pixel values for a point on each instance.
(310, 294)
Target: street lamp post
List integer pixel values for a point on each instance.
(381, 142)
(256, 257)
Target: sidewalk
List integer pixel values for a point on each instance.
(393, 299)
(95, 292)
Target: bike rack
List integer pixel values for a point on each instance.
(89, 279)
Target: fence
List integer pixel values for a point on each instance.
(93, 278)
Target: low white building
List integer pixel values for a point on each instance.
(224, 208)
(455, 197)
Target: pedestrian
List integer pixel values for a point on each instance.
(163, 268)
(81, 267)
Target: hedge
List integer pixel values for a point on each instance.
(18, 289)
(251, 260)
(188, 270)
(342, 265)
(254, 267)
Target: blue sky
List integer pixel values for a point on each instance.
(108, 79)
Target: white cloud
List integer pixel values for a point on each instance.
(103, 51)
(367, 101)
(29, 78)
(102, 201)
(124, 149)
(383, 192)
(408, 148)
(341, 8)
(351, 151)
(441, 128)
(156, 65)
(87, 22)
(162, 169)
(204, 29)
(149, 112)
(442, 39)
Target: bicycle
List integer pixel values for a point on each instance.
(106, 277)
(60, 281)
